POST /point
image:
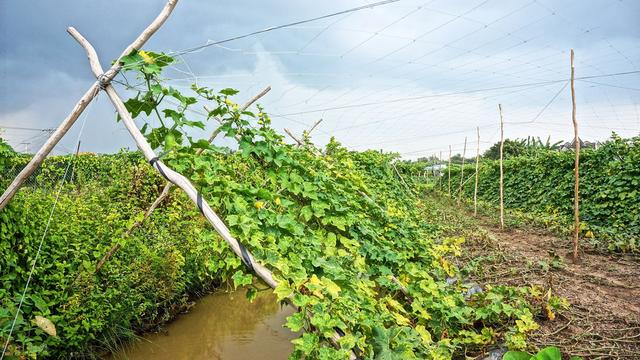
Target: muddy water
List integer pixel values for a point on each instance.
(221, 326)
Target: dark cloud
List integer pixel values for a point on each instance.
(43, 71)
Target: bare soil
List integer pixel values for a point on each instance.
(603, 289)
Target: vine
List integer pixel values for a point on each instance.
(301, 212)
(347, 242)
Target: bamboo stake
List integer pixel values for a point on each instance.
(440, 168)
(300, 143)
(576, 139)
(501, 168)
(81, 105)
(464, 153)
(475, 190)
(402, 179)
(449, 168)
(181, 181)
(244, 107)
(314, 126)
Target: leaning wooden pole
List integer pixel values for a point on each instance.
(475, 189)
(172, 176)
(576, 190)
(81, 105)
(178, 179)
(501, 168)
(464, 153)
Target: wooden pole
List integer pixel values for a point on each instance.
(244, 107)
(167, 172)
(314, 126)
(576, 139)
(475, 190)
(449, 168)
(464, 153)
(439, 170)
(298, 141)
(501, 168)
(81, 105)
(179, 180)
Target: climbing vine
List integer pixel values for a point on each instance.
(541, 186)
(338, 229)
(343, 235)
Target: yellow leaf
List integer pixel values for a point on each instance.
(332, 288)
(401, 320)
(314, 280)
(146, 57)
(550, 313)
(46, 325)
(424, 334)
(259, 204)
(396, 305)
(277, 201)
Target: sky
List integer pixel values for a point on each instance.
(412, 77)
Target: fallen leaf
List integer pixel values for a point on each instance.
(46, 325)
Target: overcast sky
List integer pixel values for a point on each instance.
(411, 76)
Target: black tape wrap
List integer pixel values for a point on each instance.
(153, 163)
(245, 256)
(199, 202)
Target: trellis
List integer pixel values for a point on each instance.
(103, 82)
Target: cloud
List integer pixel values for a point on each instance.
(412, 80)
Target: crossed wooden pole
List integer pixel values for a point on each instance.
(81, 105)
(103, 82)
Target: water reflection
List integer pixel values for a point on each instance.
(221, 326)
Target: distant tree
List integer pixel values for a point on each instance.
(534, 144)
(6, 151)
(511, 148)
(518, 147)
(456, 159)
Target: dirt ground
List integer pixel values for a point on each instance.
(602, 289)
(603, 321)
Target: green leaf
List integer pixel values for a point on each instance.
(282, 290)
(295, 322)
(241, 279)
(516, 355)
(40, 304)
(548, 353)
(307, 343)
(251, 293)
(229, 91)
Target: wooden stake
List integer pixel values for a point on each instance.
(81, 105)
(244, 107)
(475, 190)
(314, 126)
(298, 141)
(440, 168)
(449, 168)
(576, 139)
(464, 153)
(501, 168)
